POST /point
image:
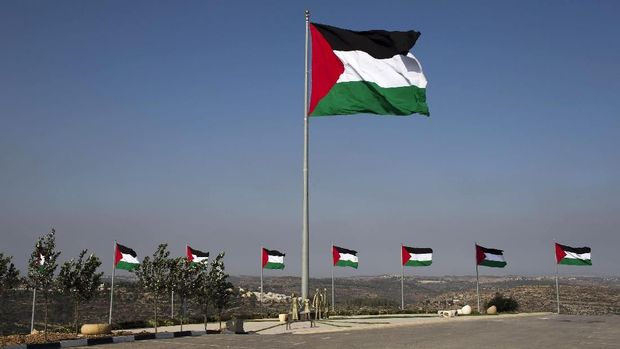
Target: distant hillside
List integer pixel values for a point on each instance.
(368, 295)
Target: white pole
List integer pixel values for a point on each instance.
(172, 304)
(477, 280)
(305, 247)
(112, 286)
(333, 292)
(34, 299)
(557, 285)
(477, 288)
(261, 278)
(402, 280)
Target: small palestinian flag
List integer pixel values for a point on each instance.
(196, 256)
(365, 72)
(344, 257)
(573, 255)
(490, 257)
(272, 259)
(125, 258)
(417, 256)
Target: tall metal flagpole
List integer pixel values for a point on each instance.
(305, 255)
(261, 277)
(402, 280)
(333, 291)
(477, 288)
(34, 299)
(477, 280)
(112, 286)
(557, 285)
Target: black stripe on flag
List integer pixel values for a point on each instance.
(274, 253)
(126, 250)
(198, 253)
(578, 250)
(377, 43)
(344, 250)
(492, 250)
(418, 250)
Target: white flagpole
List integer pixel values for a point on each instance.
(402, 280)
(333, 291)
(112, 286)
(261, 276)
(477, 280)
(557, 285)
(305, 247)
(34, 298)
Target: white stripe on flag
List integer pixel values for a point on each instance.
(348, 257)
(275, 259)
(129, 258)
(421, 257)
(397, 71)
(573, 255)
(197, 259)
(494, 257)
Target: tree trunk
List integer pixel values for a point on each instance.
(182, 311)
(206, 316)
(45, 317)
(219, 318)
(76, 319)
(156, 313)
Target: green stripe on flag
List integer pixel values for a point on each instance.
(411, 263)
(493, 264)
(270, 265)
(126, 266)
(343, 263)
(573, 261)
(355, 97)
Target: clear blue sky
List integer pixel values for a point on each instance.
(153, 121)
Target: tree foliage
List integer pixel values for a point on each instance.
(9, 275)
(79, 279)
(9, 279)
(221, 290)
(184, 280)
(202, 289)
(42, 267)
(155, 275)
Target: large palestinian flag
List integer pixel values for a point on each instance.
(272, 259)
(197, 256)
(416, 256)
(490, 257)
(365, 72)
(125, 258)
(573, 255)
(344, 258)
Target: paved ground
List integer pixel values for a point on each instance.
(529, 331)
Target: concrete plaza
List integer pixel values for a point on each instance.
(541, 330)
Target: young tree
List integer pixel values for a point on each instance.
(202, 289)
(9, 279)
(154, 275)
(79, 279)
(221, 288)
(184, 277)
(41, 268)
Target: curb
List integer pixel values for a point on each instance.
(107, 340)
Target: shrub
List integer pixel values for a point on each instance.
(503, 304)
